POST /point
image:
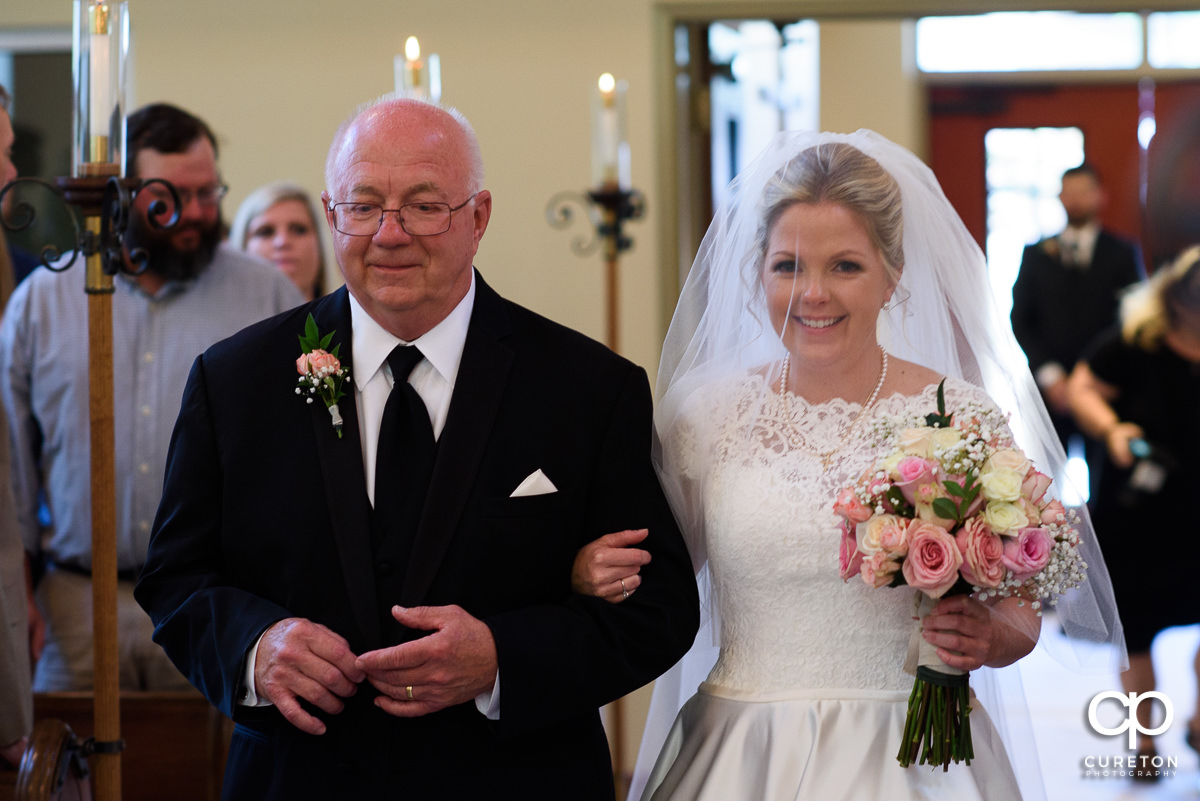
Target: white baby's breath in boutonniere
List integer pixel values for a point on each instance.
(321, 374)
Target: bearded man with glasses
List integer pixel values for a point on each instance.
(193, 291)
(381, 598)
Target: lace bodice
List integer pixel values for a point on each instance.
(788, 621)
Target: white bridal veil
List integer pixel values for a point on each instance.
(942, 316)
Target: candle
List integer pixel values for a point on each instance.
(412, 66)
(99, 91)
(609, 136)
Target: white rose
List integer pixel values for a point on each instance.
(1008, 459)
(890, 463)
(1005, 518)
(915, 441)
(945, 438)
(1002, 484)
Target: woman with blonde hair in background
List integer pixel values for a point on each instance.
(1135, 389)
(278, 222)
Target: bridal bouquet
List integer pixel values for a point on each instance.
(954, 506)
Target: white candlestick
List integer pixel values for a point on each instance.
(609, 136)
(99, 94)
(413, 80)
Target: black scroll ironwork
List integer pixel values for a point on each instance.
(607, 210)
(112, 200)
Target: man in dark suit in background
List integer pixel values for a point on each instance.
(413, 640)
(1066, 293)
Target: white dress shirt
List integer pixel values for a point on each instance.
(433, 379)
(1078, 244)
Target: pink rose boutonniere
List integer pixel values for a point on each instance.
(321, 374)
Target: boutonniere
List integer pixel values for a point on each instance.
(321, 374)
(1051, 247)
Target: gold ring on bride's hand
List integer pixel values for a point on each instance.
(408, 692)
(624, 592)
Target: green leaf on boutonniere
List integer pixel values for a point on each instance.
(312, 340)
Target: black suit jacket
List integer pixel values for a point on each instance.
(1058, 310)
(265, 516)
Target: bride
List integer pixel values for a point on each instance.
(839, 285)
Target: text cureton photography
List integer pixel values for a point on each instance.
(1111, 714)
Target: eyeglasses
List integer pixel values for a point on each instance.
(417, 219)
(208, 196)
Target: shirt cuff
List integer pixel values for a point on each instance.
(1050, 374)
(249, 697)
(488, 703)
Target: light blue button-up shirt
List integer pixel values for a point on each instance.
(44, 380)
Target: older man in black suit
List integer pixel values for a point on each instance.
(384, 606)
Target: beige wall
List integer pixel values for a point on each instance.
(889, 99)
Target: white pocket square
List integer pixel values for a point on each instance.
(535, 483)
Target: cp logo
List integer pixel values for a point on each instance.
(1130, 724)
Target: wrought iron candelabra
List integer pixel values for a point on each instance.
(106, 204)
(608, 208)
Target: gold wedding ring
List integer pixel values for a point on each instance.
(408, 692)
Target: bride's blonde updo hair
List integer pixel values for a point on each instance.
(835, 172)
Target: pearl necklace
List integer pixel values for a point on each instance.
(827, 456)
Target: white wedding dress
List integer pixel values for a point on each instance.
(808, 696)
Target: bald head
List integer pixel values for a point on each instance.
(407, 154)
(390, 115)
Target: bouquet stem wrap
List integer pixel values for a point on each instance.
(937, 729)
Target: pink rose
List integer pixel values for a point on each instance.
(912, 473)
(878, 570)
(850, 559)
(1028, 552)
(1035, 485)
(933, 559)
(1053, 512)
(323, 363)
(893, 540)
(1031, 510)
(850, 507)
(319, 362)
(982, 553)
(882, 533)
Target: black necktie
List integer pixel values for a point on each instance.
(403, 457)
(1071, 256)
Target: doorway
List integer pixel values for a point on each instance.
(1115, 121)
